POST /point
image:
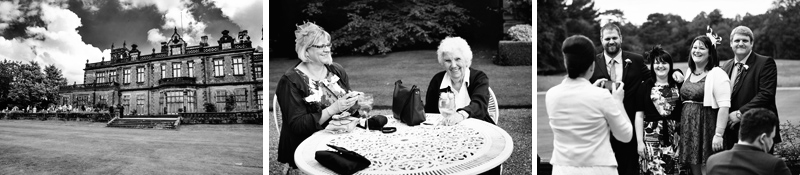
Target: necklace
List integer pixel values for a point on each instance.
(698, 74)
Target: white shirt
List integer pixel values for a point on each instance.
(617, 67)
(744, 61)
(581, 115)
(462, 96)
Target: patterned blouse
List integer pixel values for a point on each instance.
(664, 99)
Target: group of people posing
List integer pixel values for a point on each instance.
(711, 119)
(316, 75)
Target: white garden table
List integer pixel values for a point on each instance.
(471, 147)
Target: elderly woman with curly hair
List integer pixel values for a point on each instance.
(469, 87)
(311, 92)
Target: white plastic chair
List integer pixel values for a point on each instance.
(276, 111)
(493, 109)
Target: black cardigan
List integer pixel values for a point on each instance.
(300, 119)
(478, 89)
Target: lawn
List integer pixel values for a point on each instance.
(517, 122)
(377, 74)
(788, 75)
(57, 147)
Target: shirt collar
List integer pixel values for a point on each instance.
(446, 82)
(744, 61)
(608, 58)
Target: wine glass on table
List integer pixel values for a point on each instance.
(365, 101)
(446, 105)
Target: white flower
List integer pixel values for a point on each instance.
(628, 61)
(315, 96)
(746, 67)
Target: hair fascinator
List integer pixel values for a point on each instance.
(713, 36)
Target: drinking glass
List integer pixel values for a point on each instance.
(366, 106)
(446, 103)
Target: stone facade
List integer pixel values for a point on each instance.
(180, 78)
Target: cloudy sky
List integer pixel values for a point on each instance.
(68, 32)
(636, 11)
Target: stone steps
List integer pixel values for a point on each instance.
(145, 123)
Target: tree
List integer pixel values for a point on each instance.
(550, 34)
(209, 107)
(53, 80)
(28, 87)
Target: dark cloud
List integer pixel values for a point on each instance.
(111, 24)
(214, 19)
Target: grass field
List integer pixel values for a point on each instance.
(517, 122)
(57, 147)
(788, 75)
(377, 74)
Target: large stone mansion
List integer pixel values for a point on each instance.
(179, 78)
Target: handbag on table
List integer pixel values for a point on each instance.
(342, 161)
(407, 104)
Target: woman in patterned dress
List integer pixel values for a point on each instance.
(706, 96)
(657, 113)
(311, 92)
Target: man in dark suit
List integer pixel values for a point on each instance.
(615, 65)
(749, 156)
(754, 78)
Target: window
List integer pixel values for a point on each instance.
(163, 71)
(126, 104)
(140, 104)
(191, 69)
(102, 100)
(81, 100)
(140, 74)
(176, 50)
(226, 46)
(218, 71)
(112, 76)
(238, 66)
(259, 73)
(260, 97)
(175, 102)
(221, 94)
(100, 77)
(176, 69)
(126, 77)
(192, 107)
(240, 96)
(135, 55)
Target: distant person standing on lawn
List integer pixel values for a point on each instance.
(749, 155)
(470, 87)
(582, 114)
(616, 65)
(754, 79)
(311, 92)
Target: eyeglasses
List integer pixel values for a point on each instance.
(322, 46)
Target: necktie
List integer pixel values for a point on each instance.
(612, 70)
(735, 74)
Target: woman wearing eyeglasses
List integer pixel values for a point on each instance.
(311, 92)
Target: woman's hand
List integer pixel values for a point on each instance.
(640, 148)
(600, 82)
(716, 143)
(618, 92)
(344, 102)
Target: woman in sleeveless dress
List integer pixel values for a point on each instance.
(706, 99)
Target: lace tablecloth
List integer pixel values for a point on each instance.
(473, 146)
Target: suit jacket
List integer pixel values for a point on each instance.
(746, 159)
(754, 89)
(478, 89)
(633, 74)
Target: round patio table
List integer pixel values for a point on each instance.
(471, 147)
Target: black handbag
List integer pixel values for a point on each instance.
(342, 161)
(407, 104)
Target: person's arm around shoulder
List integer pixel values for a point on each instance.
(432, 93)
(479, 99)
(294, 110)
(616, 116)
